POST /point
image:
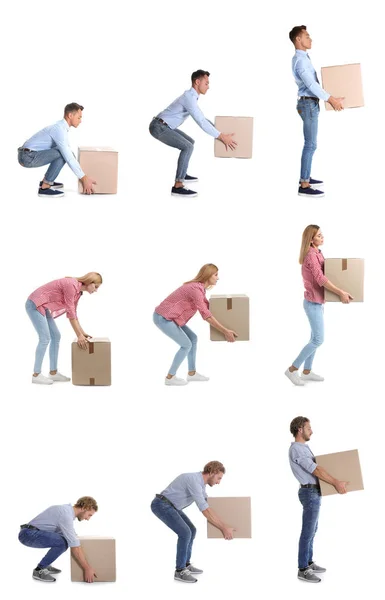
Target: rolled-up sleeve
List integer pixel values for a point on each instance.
(201, 302)
(70, 300)
(67, 529)
(315, 269)
(60, 137)
(190, 103)
(305, 73)
(305, 462)
(196, 492)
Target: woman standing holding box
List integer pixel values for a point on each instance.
(176, 310)
(312, 261)
(46, 304)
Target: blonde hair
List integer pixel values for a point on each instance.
(92, 277)
(87, 503)
(204, 274)
(213, 467)
(307, 238)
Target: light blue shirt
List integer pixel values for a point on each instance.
(186, 489)
(302, 462)
(56, 136)
(59, 519)
(184, 106)
(306, 77)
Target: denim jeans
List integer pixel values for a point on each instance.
(308, 110)
(39, 158)
(310, 499)
(36, 538)
(176, 139)
(48, 334)
(181, 525)
(183, 336)
(315, 314)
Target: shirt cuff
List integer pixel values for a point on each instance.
(71, 315)
(202, 506)
(205, 314)
(75, 544)
(323, 280)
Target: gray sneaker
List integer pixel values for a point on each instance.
(53, 570)
(317, 568)
(184, 576)
(43, 575)
(308, 576)
(194, 570)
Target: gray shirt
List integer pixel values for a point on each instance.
(186, 489)
(59, 519)
(302, 462)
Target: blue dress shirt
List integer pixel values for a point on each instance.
(302, 462)
(306, 77)
(184, 106)
(186, 489)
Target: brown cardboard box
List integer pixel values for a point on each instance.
(92, 366)
(235, 512)
(348, 275)
(344, 81)
(101, 164)
(242, 127)
(233, 312)
(100, 553)
(344, 466)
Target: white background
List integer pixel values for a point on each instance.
(124, 443)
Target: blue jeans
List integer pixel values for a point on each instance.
(36, 538)
(176, 139)
(315, 314)
(181, 525)
(48, 334)
(308, 110)
(38, 158)
(183, 336)
(310, 499)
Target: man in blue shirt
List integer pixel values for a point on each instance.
(164, 126)
(308, 473)
(309, 94)
(168, 507)
(51, 146)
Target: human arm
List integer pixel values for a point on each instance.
(82, 337)
(89, 573)
(190, 103)
(228, 333)
(212, 517)
(316, 270)
(340, 486)
(344, 296)
(304, 71)
(60, 137)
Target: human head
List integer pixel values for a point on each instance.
(213, 472)
(312, 236)
(300, 428)
(200, 81)
(73, 113)
(91, 282)
(300, 38)
(208, 275)
(85, 507)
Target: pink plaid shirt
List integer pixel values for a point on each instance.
(313, 276)
(182, 304)
(59, 296)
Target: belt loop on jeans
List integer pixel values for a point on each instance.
(161, 497)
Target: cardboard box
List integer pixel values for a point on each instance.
(344, 81)
(344, 466)
(101, 164)
(242, 127)
(233, 313)
(101, 554)
(235, 512)
(92, 366)
(348, 275)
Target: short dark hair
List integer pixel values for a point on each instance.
(297, 424)
(72, 107)
(296, 31)
(198, 75)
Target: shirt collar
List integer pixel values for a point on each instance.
(194, 93)
(202, 481)
(65, 124)
(301, 52)
(315, 250)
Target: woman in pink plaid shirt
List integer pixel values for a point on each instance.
(46, 304)
(176, 310)
(312, 261)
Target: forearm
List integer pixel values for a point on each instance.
(213, 519)
(324, 475)
(216, 324)
(332, 288)
(76, 327)
(80, 557)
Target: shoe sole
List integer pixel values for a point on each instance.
(321, 195)
(61, 380)
(184, 195)
(184, 580)
(316, 381)
(44, 580)
(198, 380)
(60, 195)
(308, 580)
(41, 383)
(191, 180)
(175, 384)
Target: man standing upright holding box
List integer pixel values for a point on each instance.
(309, 94)
(307, 472)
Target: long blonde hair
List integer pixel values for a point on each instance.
(204, 274)
(307, 238)
(92, 277)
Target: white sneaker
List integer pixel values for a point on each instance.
(197, 377)
(294, 377)
(312, 377)
(59, 377)
(42, 379)
(175, 381)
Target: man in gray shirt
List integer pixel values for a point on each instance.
(308, 473)
(54, 529)
(168, 507)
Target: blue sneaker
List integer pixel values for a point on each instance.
(50, 193)
(310, 192)
(314, 182)
(183, 191)
(191, 178)
(56, 185)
